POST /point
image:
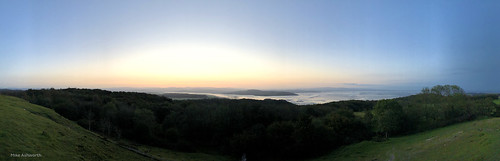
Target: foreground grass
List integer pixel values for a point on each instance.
(26, 128)
(476, 140)
(31, 129)
(171, 155)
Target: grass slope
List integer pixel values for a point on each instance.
(31, 129)
(171, 155)
(497, 101)
(476, 140)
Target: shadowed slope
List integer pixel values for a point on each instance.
(31, 129)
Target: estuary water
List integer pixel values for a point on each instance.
(306, 98)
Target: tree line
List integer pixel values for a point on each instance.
(272, 129)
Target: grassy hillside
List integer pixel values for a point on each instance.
(476, 140)
(32, 129)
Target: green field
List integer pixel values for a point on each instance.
(476, 140)
(359, 114)
(497, 101)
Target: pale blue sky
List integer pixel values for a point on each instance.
(272, 44)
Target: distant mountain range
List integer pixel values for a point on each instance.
(186, 96)
(235, 90)
(263, 93)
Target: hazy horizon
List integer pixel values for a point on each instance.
(252, 45)
(218, 90)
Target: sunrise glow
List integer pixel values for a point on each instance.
(216, 44)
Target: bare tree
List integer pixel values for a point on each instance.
(90, 118)
(106, 126)
(118, 133)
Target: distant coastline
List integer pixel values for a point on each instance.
(255, 92)
(187, 96)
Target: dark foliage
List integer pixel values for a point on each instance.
(441, 106)
(261, 129)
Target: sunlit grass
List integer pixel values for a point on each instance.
(497, 101)
(476, 140)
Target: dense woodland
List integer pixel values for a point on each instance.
(269, 129)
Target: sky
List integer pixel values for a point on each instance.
(250, 44)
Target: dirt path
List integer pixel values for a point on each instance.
(392, 157)
(129, 148)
